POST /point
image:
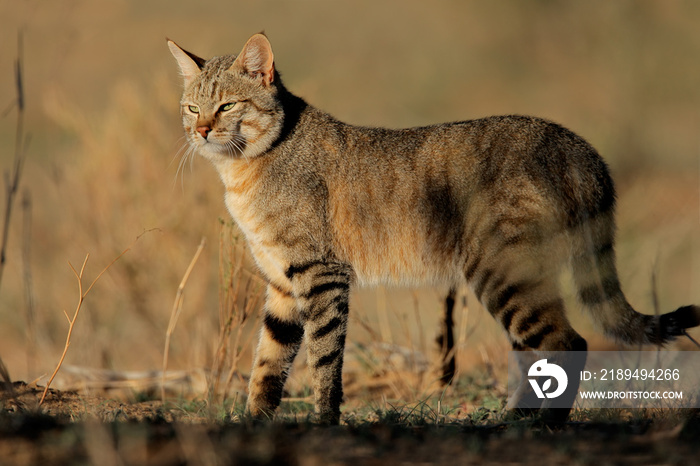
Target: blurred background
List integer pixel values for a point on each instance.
(102, 101)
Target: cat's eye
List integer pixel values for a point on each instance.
(227, 107)
(193, 109)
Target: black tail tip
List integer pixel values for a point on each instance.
(675, 323)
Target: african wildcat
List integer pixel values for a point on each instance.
(500, 203)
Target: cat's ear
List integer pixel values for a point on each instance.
(256, 60)
(190, 64)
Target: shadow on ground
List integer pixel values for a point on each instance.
(73, 429)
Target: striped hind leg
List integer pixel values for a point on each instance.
(524, 297)
(323, 291)
(538, 329)
(280, 338)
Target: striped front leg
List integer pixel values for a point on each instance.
(279, 343)
(323, 291)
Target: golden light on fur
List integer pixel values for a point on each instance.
(500, 203)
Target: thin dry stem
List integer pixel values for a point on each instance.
(175, 314)
(5, 375)
(419, 323)
(383, 315)
(685, 332)
(12, 180)
(654, 287)
(30, 313)
(81, 299)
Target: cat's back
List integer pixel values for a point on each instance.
(489, 143)
(470, 155)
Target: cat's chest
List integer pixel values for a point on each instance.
(256, 220)
(246, 202)
(252, 203)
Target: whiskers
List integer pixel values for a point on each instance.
(183, 146)
(234, 146)
(186, 152)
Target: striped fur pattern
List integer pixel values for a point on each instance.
(500, 203)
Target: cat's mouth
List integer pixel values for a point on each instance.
(212, 146)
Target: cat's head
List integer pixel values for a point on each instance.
(230, 106)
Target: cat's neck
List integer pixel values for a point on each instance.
(294, 107)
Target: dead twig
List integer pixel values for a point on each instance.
(175, 314)
(30, 314)
(71, 322)
(12, 180)
(685, 332)
(21, 141)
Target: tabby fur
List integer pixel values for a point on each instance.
(498, 203)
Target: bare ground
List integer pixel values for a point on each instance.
(75, 429)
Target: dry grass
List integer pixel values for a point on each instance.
(101, 109)
(240, 295)
(175, 314)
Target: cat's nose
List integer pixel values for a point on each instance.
(204, 131)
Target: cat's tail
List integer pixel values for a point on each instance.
(595, 275)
